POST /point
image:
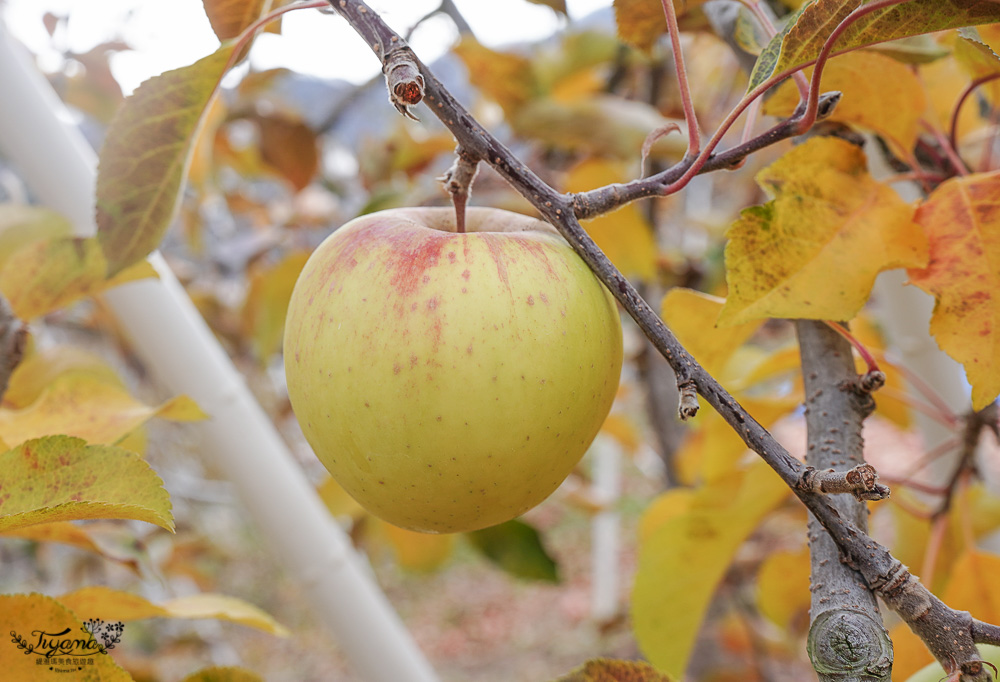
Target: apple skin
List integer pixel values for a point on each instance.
(450, 382)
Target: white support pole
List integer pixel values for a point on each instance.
(606, 530)
(239, 439)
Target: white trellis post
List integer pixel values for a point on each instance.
(36, 135)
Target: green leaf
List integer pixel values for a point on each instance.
(802, 39)
(59, 478)
(684, 559)
(611, 670)
(517, 548)
(146, 154)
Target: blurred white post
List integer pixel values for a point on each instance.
(605, 529)
(37, 135)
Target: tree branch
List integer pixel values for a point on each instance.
(13, 342)
(924, 612)
(846, 635)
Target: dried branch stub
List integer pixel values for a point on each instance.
(402, 77)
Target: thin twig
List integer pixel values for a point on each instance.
(690, 117)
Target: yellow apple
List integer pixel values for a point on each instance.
(450, 381)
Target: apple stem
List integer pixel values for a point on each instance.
(457, 181)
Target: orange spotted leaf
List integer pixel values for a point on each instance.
(962, 222)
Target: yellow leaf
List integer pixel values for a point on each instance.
(599, 125)
(641, 22)
(80, 405)
(22, 225)
(879, 93)
(944, 80)
(504, 77)
(814, 251)
(66, 533)
(108, 604)
(223, 674)
(25, 616)
(623, 429)
(61, 479)
(625, 235)
(691, 315)
(230, 17)
(337, 501)
(664, 508)
(681, 564)
(783, 593)
(978, 60)
(962, 222)
(42, 367)
(267, 303)
(49, 274)
(722, 448)
(421, 552)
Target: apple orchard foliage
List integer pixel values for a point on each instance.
(798, 232)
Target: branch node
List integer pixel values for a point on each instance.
(861, 481)
(457, 181)
(403, 78)
(871, 381)
(687, 405)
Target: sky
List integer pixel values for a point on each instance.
(171, 34)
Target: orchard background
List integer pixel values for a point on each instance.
(672, 542)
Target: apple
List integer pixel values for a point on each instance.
(450, 381)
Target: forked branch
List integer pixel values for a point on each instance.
(925, 613)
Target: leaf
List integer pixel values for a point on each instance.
(266, 305)
(223, 674)
(814, 251)
(49, 274)
(25, 615)
(921, 49)
(230, 17)
(42, 367)
(783, 594)
(978, 60)
(599, 125)
(684, 560)
(21, 225)
(625, 236)
(962, 221)
(420, 552)
(68, 533)
(109, 604)
(337, 501)
(879, 93)
(610, 670)
(802, 39)
(145, 157)
(85, 407)
(691, 316)
(556, 5)
(62, 479)
(642, 22)
(517, 548)
(504, 77)
(290, 148)
(664, 508)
